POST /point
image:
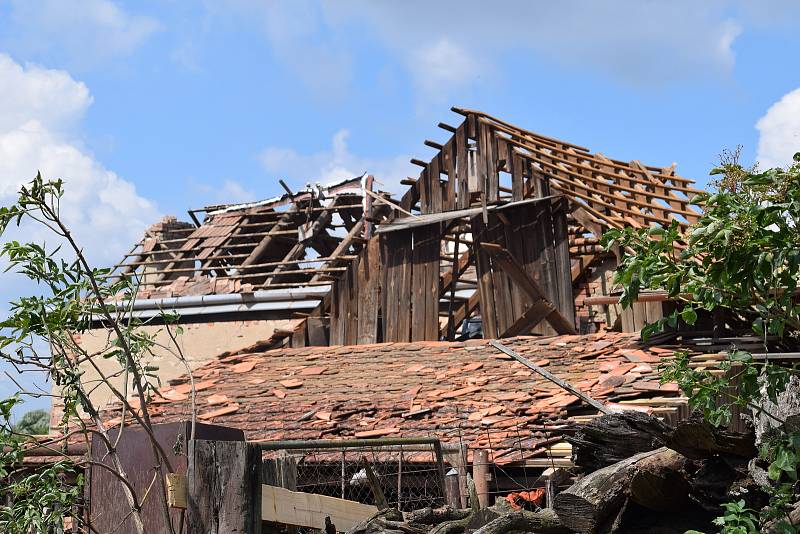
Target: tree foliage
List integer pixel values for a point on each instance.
(741, 257)
(34, 423)
(74, 298)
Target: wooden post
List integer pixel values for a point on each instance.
(480, 472)
(287, 470)
(458, 460)
(224, 488)
(549, 492)
(452, 489)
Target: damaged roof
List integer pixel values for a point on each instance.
(458, 391)
(296, 241)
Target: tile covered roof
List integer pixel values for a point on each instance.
(454, 390)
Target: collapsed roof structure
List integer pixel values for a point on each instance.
(501, 228)
(498, 237)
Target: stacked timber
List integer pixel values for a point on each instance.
(634, 474)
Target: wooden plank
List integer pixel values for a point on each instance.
(462, 167)
(280, 505)
(565, 301)
(551, 377)
(529, 319)
(434, 181)
(485, 290)
(404, 253)
(505, 261)
(369, 275)
(449, 155)
(223, 486)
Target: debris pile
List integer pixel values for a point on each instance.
(633, 473)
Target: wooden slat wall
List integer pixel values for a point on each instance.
(532, 237)
(410, 291)
(355, 299)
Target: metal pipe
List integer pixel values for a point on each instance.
(273, 295)
(342, 443)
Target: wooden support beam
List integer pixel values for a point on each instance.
(503, 259)
(266, 241)
(581, 264)
(551, 377)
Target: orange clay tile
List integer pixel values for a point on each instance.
(375, 389)
(244, 367)
(377, 432)
(225, 410)
(217, 398)
(312, 371)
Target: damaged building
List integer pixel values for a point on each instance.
(343, 312)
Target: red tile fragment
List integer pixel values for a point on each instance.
(291, 383)
(279, 393)
(244, 367)
(378, 432)
(215, 399)
(225, 410)
(472, 367)
(313, 371)
(460, 392)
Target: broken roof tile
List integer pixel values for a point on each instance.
(377, 392)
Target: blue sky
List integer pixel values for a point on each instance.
(152, 107)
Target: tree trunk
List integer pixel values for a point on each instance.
(542, 522)
(613, 438)
(697, 439)
(659, 482)
(652, 479)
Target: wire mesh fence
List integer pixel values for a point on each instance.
(409, 472)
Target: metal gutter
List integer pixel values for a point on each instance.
(229, 303)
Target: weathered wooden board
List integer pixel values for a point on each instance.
(280, 505)
(223, 483)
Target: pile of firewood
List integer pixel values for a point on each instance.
(633, 474)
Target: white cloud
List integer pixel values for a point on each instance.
(229, 192)
(83, 32)
(779, 132)
(632, 41)
(292, 29)
(333, 164)
(40, 114)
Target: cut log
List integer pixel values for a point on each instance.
(659, 482)
(598, 497)
(697, 439)
(612, 438)
(434, 516)
(458, 526)
(541, 522)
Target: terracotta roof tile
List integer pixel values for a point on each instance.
(457, 391)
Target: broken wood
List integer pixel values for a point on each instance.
(612, 438)
(545, 309)
(587, 504)
(374, 486)
(551, 377)
(541, 522)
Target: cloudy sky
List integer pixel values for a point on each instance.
(152, 107)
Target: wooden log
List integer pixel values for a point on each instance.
(460, 525)
(223, 487)
(541, 522)
(586, 505)
(612, 438)
(697, 439)
(659, 482)
(452, 489)
(434, 516)
(480, 473)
